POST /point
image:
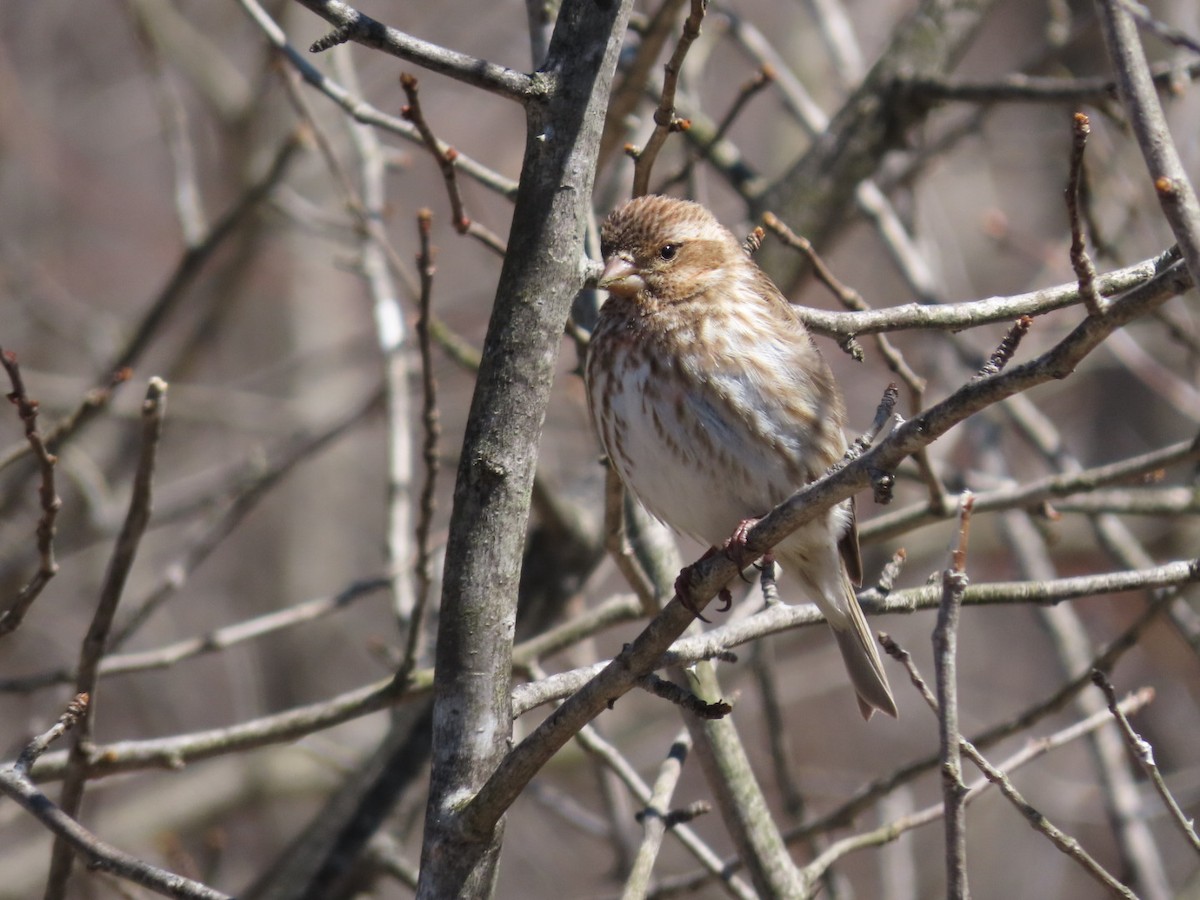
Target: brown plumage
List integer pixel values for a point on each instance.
(714, 405)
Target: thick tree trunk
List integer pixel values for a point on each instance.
(542, 273)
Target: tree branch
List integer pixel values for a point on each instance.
(541, 274)
(352, 25)
(1135, 84)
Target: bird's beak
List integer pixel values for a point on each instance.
(620, 277)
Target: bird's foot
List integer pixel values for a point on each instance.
(735, 548)
(683, 589)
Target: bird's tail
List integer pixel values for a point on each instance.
(835, 596)
(862, 661)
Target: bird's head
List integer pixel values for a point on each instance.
(663, 249)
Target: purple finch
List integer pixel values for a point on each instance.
(714, 405)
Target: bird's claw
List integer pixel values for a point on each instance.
(683, 590)
(683, 584)
(726, 599)
(735, 548)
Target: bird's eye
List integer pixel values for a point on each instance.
(667, 252)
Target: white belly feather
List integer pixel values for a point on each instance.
(689, 463)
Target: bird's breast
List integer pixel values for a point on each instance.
(700, 452)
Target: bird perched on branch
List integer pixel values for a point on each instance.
(714, 405)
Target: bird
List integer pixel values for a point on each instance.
(713, 403)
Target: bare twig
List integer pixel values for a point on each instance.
(872, 201)
(849, 297)
(1081, 262)
(189, 207)
(215, 641)
(892, 830)
(884, 413)
(1007, 347)
(633, 78)
(102, 857)
(597, 746)
(891, 571)
(1152, 370)
(1161, 29)
(997, 776)
(616, 543)
(1021, 88)
(654, 818)
(895, 360)
(35, 748)
(1141, 750)
(878, 788)
(683, 698)
(665, 120)
(1135, 84)
(1039, 491)
(423, 568)
(176, 750)
(766, 674)
(94, 400)
(94, 643)
(128, 756)
(945, 650)
(594, 744)
(973, 313)
(352, 25)
(359, 109)
(190, 264)
(445, 159)
(247, 494)
(738, 793)
(367, 209)
(615, 610)
(391, 335)
(754, 240)
(1072, 648)
(782, 617)
(14, 611)
(764, 77)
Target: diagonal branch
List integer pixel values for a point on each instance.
(352, 25)
(445, 159)
(15, 783)
(96, 639)
(359, 109)
(1135, 84)
(972, 313)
